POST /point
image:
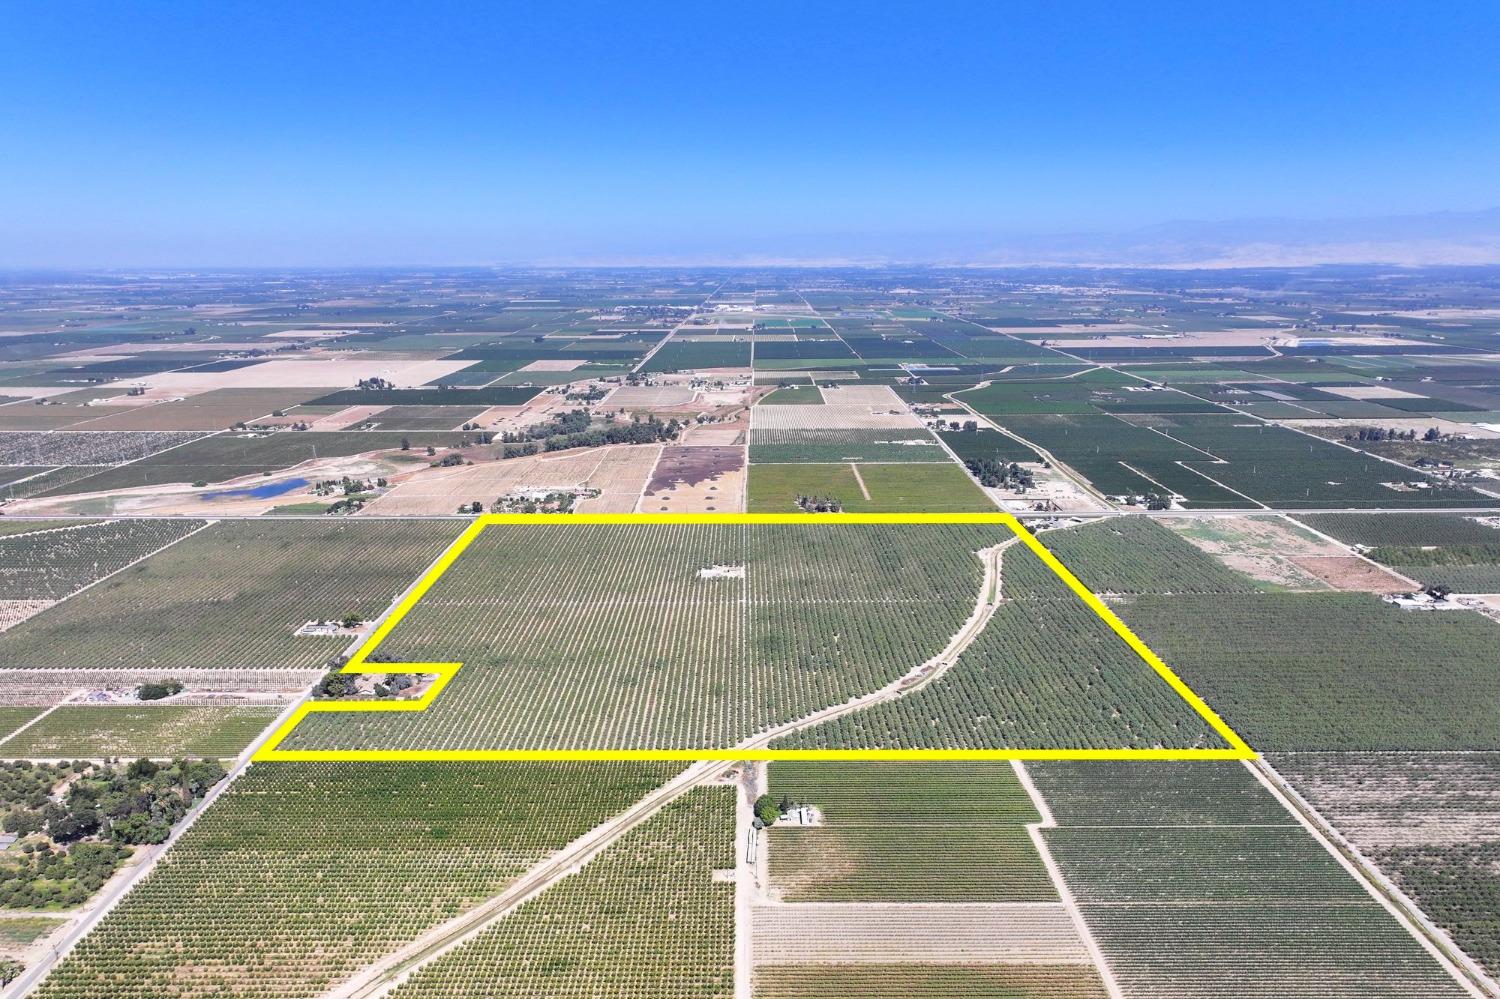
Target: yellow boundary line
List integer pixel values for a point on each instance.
(1237, 748)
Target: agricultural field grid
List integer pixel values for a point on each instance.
(444, 672)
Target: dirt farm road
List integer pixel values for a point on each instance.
(380, 978)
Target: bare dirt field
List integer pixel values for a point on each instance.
(878, 396)
(649, 396)
(318, 334)
(855, 933)
(310, 371)
(1263, 548)
(45, 687)
(150, 397)
(1148, 338)
(1350, 572)
(216, 410)
(349, 416)
(832, 417)
(621, 477)
(1420, 425)
(696, 480)
(1049, 486)
(1370, 392)
(729, 433)
(552, 365)
(620, 472)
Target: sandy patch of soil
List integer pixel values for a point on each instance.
(1420, 425)
(38, 391)
(1145, 337)
(619, 472)
(1370, 392)
(311, 371)
(1100, 329)
(147, 398)
(1260, 547)
(1349, 572)
(879, 396)
(696, 480)
(347, 417)
(648, 396)
(309, 334)
(552, 365)
(1251, 535)
(831, 417)
(1051, 490)
(724, 434)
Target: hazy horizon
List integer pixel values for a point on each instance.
(378, 135)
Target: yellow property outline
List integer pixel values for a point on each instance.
(1237, 748)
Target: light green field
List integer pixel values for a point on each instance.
(13, 718)
(16, 933)
(646, 919)
(918, 832)
(346, 862)
(794, 395)
(154, 730)
(893, 488)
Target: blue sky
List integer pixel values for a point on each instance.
(329, 133)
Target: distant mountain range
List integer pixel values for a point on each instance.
(1411, 240)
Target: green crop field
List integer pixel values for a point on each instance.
(18, 931)
(794, 395)
(233, 594)
(1137, 555)
(814, 446)
(681, 356)
(1427, 820)
(644, 920)
(1462, 568)
(1218, 461)
(1046, 672)
(991, 445)
(410, 418)
(1173, 883)
(919, 832)
(50, 564)
(1331, 670)
(1283, 468)
(91, 732)
(343, 861)
(12, 718)
(1335, 951)
(1239, 468)
(1122, 459)
(621, 636)
(1178, 793)
(223, 457)
(905, 488)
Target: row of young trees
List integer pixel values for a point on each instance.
(576, 429)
